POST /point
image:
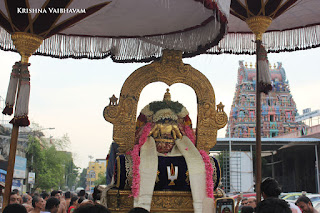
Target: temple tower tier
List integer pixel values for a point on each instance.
(278, 109)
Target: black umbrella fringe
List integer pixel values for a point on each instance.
(136, 50)
(128, 50)
(274, 41)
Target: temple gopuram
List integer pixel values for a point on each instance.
(278, 109)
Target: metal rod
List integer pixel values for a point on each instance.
(258, 127)
(229, 145)
(272, 165)
(11, 161)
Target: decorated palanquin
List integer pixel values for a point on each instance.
(162, 163)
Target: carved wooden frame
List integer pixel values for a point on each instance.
(170, 70)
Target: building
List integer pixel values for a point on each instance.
(95, 170)
(293, 162)
(311, 127)
(20, 167)
(278, 109)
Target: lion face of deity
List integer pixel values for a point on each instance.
(168, 119)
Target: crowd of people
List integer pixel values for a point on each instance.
(58, 202)
(271, 203)
(55, 202)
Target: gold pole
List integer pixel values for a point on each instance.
(26, 45)
(258, 25)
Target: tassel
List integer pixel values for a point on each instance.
(264, 73)
(22, 108)
(12, 89)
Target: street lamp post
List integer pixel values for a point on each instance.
(90, 172)
(91, 175)
(38, 130)
(68, 176)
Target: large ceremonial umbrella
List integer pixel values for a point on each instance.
(127, 31)
(295, 25)
(29, 23)
(280, 25)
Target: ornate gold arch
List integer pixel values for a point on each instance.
(170, 70)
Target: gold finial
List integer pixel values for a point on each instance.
(274, 66)
(269, 66)
(167, 96)
(258, 25)
(250, 64)
(246, 65)
(26, 44)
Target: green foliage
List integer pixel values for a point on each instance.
(83, 178)
(101, 179)
(51, 166)
(158, 105)
(70, 169)
(62, 143)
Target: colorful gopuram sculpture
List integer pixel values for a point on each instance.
(278, 109)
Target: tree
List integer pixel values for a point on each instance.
(37, 162)
(83, 178)
(70, 170)
(101, 179)
(51, 165)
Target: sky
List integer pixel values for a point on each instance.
(69, 95)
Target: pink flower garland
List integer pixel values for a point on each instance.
(190, 134)
(209, 173)
(136, 160)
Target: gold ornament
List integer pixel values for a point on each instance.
(120, 201)
(162, 201)
(258, 25)
(187, 178)
(26, 44)
(170, 70)
(157, 179)
(167, 96)
(160, 131)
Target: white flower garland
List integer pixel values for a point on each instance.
(146, 111)
(183, 113)
(164, 114)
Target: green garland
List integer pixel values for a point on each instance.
(155, 106)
